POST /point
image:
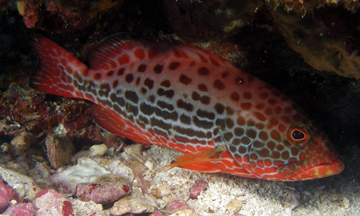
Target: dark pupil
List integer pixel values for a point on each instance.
(297, 135)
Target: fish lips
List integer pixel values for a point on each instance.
(320, 170)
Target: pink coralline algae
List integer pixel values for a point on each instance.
(197, 188)
(21, 209)
(102, 192)
(6, 195)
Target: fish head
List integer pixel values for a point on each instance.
(288, 147)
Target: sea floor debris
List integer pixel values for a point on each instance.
(144, 188)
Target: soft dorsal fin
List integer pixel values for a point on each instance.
(118, 50)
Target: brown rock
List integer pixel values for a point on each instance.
(59, 150)
(22, 142)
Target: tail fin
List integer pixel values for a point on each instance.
(56, 69)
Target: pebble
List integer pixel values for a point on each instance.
(21, 209)
(59, 150)
(132, 205)
(98, 150)
(176, 206)
(22, 142)
(102, 192)
(161, 191)
(197, 188)
(234, 206)
(52, 203)
(82, 208)
(24, 186)
(6, 195)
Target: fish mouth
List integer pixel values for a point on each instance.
(321, 170)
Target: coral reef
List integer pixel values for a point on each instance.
(60, 16)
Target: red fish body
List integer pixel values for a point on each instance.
(187, 99)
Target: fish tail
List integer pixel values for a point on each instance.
(57, 68)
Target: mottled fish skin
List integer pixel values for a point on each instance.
(185, 98)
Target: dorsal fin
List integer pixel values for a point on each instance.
(119, 50)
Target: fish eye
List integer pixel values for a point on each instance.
(298, 135)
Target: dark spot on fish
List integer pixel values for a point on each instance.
(115, 83)
(129, 78)
(167, 93)
(184, 105)
(229, 123)
(224, 74)
(227, 136)
(195, 96)
(245, 141)
(184, 79)
(251, 133)
(166, 115)
(235, 96)
(229, 111)
(158, 69)
(132, 96)
(142, 68)
(151, 98)
(143, 119)
(110, 73)
(203, 71)
(219, 85)
(165, 105)
(219, 108)
(160, 132)
(205, 114)
(239, 131)
(137, 81)
(117, 99)
(202, 123)
(165, 83)
(185, 119)
(205, 100)
(159, 123)
(202, 87)
(120, 71)
(131, 109)
(174, 65)
(143, 90)
(104, 89)
(190, 132)
(149, 83)
(147, 109)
